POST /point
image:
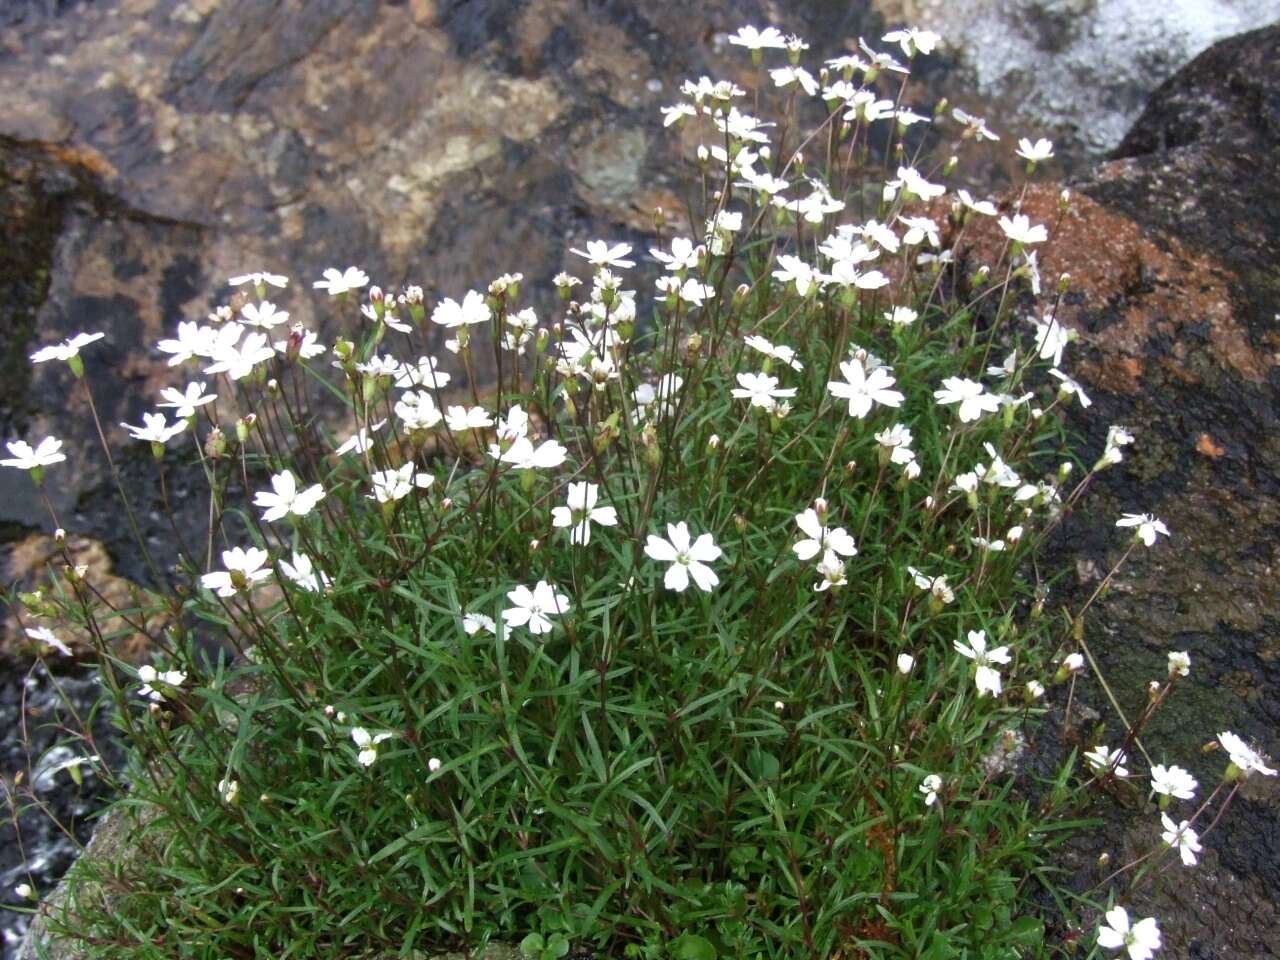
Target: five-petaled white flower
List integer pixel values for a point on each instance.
(184, 402)
(154, 429)
(534, 608)
(820, 538)
(238, 362)
(460, 419)
(260, 279)
(340, 281)
(936, 587)
(368, 744)
(155, 685)
(913, 40)
(779, 352)
(473, 623)
(599, 253)
(1147, 526)
(285, 498)
(1243, 757)
(972, 397)
(1042, 149)
(863, 388)
(688, 557)
(1181, 835)
(472, 310)
(302, 572)
(1020, 229)
(264, 315)
(753, 39)
(987, 677)
(1103, 761)
(761, 389)
(1173, 781)
(66, 350)
(581, 511)
(26, 457)
(244, 568)
(1141, 939)
(392, 485)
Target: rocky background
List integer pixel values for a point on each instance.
(151, 148)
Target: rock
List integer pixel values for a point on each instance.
(1079, 70)
(1173, 247)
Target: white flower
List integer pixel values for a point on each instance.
(154, 428)
(1051, 339)
(534, 608)
(243, 569)
(1042, 149)
(1142, 939)
(761, 389)
(340, 281)
(184, 402)
(987, 678)
(451, 314)
(392, 485)
(25, 457)
(600, 254)
(229, 791)
(930, 786)
(779, 352)
(820, 539)
(785, 76)
(418, 410)
(906, 662)
(972, 397)
(50, 639)
(753, 39)
(1020, 230)
(1179, 663)
(525, 456)
(194, 340)
(434, 764)
(689, 291)
(831, 569)
(1148, 526)
(368, 744)
(936, 586)
(238, 362)
(672, 114)
(473, 623)
(977, 126)
(913, 40)
(913, 183)
(688, 557)
(918, 229)
(581, 511)
(304, 341)
(1117, 437)
(155, 685)
(683, 256)
(863, 389)
(361, 440)
(1071, 387)
(259, 279)
(1103, 760)
(460, 419)
(896, 441)
(263, 315)
(1173, 781)
(1073, 662)
(901, 316)
(286, 498)
(67, 349)
(1243, 757)
(794, 270)
(25, 891)
(302, 572)
(1181, 835)
(425, 372)
(984, 207)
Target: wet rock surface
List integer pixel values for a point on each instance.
(1173, 247)
(1081, 70)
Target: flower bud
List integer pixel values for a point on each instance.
(215, 444)
(905, 663)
